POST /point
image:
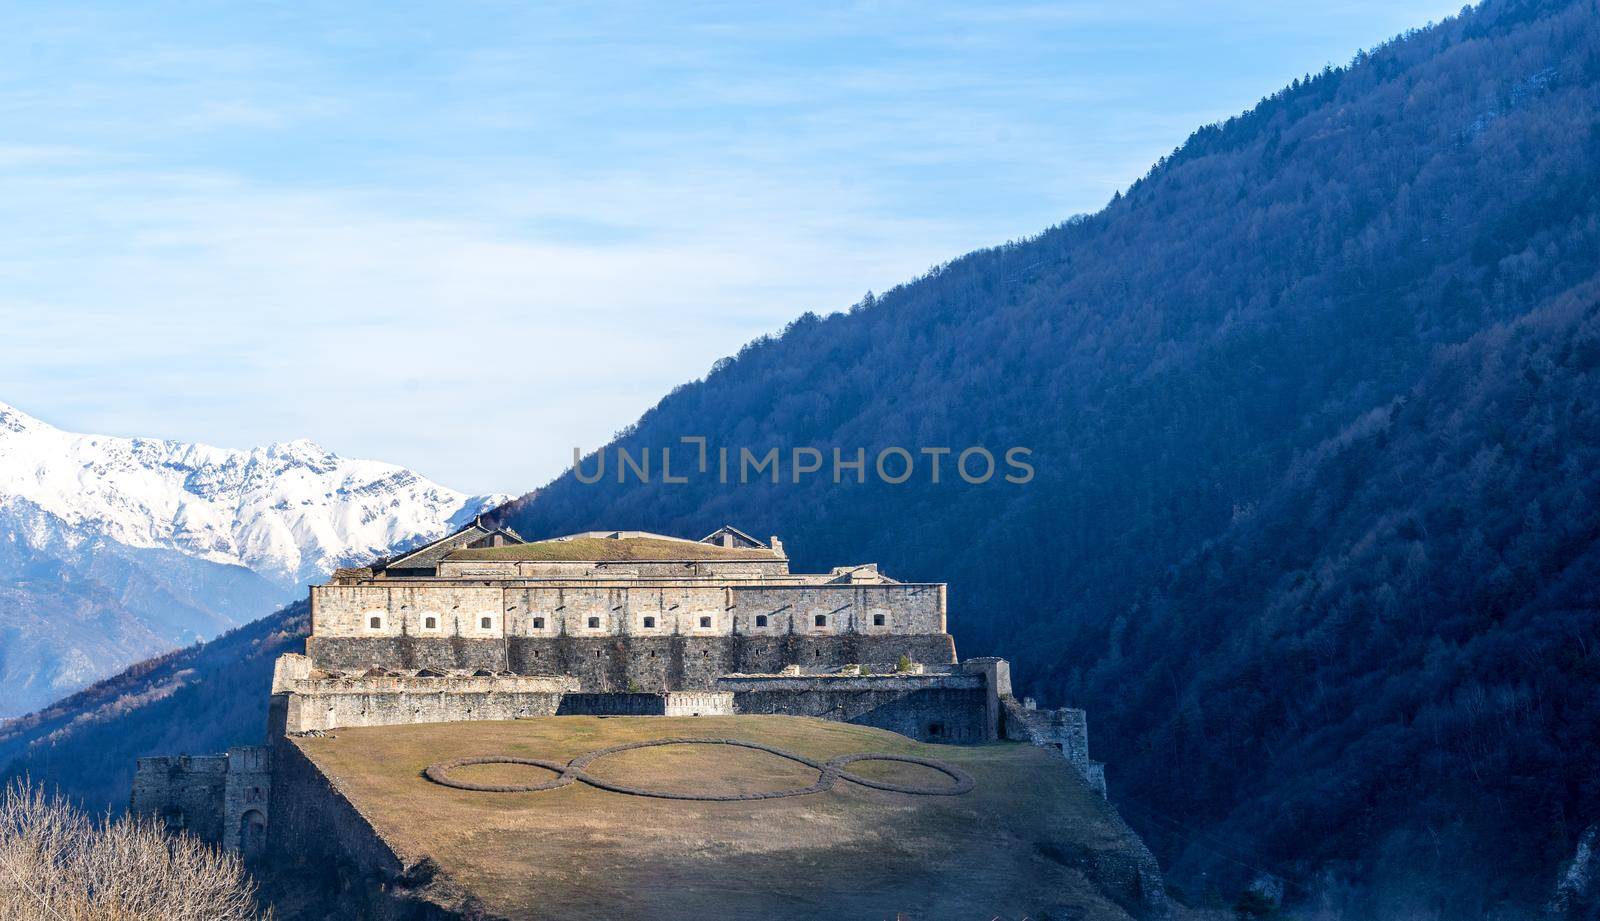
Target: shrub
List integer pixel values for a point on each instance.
(57, 862)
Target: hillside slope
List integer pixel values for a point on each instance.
(1177, 363)
(200, 699)
(1388, 670)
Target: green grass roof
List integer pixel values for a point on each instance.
(587, 549)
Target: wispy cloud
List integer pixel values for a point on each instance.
(468, 240)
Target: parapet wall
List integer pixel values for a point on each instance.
(928, 708)
(949, 704)
(460, 609)
(618, 664)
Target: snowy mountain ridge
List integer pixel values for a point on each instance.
(291, 511)
(116, 549)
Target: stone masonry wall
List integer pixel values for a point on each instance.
(312, 821)
(184, 791)
(1064, 732)
(934, 708)
(247, 793)
(445, 609)
(629, 663)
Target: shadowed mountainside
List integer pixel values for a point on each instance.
(1209, 372)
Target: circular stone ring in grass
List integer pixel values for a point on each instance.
(827, 773)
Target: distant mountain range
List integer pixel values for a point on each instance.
(115, 549)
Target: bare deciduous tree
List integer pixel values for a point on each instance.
(59, 864)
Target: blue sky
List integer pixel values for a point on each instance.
(467, 237)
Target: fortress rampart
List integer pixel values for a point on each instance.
(483, 626)
(622, 663)
(473, 610)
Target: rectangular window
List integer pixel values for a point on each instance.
(705, 621)
(822, 620)
(761, 620)
(594, 623)
(485, 623)
(538, 623)
(877, 620)
(649, 623)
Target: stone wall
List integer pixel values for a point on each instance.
(445, 609)
(221, 799)
(1064, 732)
(931, 708)
(323, 852)
(335, 704)
(612, 705)
(700, 703)
(184, 791)
(247, 796)
(629, 663)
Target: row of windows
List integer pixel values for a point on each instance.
(431, 622)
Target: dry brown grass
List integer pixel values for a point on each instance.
(58, 864)
(608, 550)
(1012, 848)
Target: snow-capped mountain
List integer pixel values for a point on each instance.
(115, 549)
(291, 512)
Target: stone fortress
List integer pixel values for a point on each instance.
(482, 625)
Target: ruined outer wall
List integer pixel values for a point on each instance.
(933, 708)
(1064, 732)
(247, 793)
(444, 609)
(623, 663)
(185, 791)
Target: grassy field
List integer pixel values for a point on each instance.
(604, 548)
(1005, 850)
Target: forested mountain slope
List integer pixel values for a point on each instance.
(1233, 333)
(1389, 669)
(197, 700)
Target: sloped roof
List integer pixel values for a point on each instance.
(716, 536)
(428, 555)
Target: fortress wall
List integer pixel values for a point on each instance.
(622, 663)
(845, 608)
(612, 705)
(246, 798)
(1064, 732)
(184, 791)
(931, 709)
(314, 826)
(445, 609)
(335, 703)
